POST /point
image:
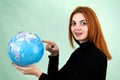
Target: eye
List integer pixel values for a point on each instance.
(73, 23)
(83, 23)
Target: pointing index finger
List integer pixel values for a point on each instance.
(46, 41)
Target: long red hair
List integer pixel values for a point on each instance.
(95, 34)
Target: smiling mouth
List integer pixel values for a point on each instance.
(78, 34)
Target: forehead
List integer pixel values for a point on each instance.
(78, 16)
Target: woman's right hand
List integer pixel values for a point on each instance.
(29, 70)
(51, 47)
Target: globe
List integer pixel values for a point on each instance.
(25, 48)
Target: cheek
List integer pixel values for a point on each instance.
(72, 29)
(86, 31)
(86, 34)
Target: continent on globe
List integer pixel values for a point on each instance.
(25, 48)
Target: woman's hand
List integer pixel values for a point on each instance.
(29, 70)
(51, 47)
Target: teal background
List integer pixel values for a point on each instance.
(49, 19)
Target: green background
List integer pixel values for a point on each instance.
(49, 19)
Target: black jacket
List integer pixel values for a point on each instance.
(86, 63)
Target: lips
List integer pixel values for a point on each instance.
(77, 34)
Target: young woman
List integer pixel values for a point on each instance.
(88, 61)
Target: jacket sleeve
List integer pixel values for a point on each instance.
(53, 65)
(52, 69)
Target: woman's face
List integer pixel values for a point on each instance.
(79, 27)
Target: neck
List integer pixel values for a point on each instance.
(83, 41)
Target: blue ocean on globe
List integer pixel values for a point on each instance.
(25, 48)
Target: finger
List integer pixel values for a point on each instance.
(47, 41)
(19, 67)
(48, 47)
(50, 44)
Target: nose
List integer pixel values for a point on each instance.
(78, 27)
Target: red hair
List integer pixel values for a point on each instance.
(95, 34)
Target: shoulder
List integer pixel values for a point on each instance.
(98, 52)
(98, 55)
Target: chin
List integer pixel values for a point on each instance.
(78, 39)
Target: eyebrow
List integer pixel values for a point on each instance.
(82, 20)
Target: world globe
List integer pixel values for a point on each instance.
(25, 48)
